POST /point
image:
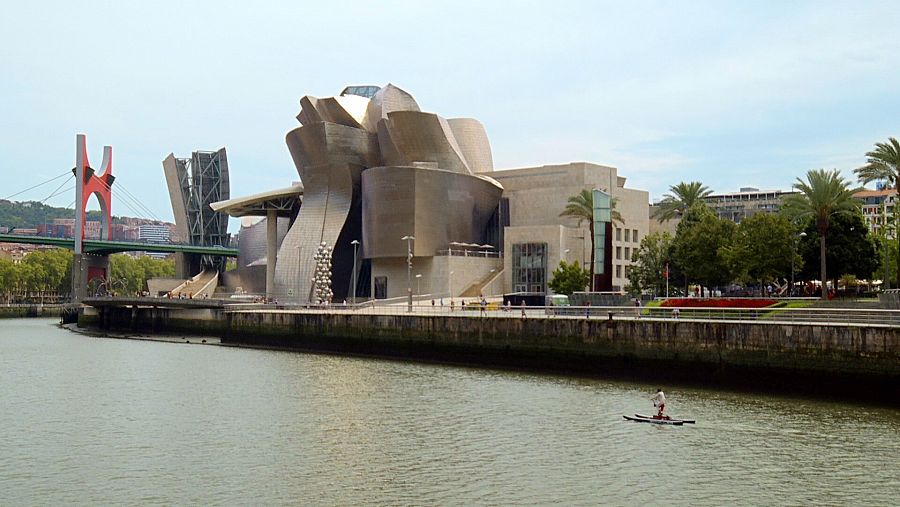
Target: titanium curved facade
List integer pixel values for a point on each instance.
(251, 259)
(375, 170)
(437, 207)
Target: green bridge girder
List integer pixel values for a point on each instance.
(104, 247)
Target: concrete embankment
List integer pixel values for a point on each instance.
(854, 362)
(22, 311)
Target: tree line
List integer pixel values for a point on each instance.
(819, 230)
(33, 213)
(48, 273)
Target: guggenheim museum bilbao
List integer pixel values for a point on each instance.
(408, 200)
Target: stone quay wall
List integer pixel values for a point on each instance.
(856, 361)
(23, 311)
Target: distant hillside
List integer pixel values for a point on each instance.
(31, 213)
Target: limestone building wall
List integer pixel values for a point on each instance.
(537, 195)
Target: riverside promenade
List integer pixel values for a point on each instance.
(845, 353)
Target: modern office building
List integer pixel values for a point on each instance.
(151, 233)
(736, 206)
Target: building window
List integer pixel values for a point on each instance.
(618, 252)
(627, 235)
(627, 253)
(634, 236)
(380, 287)
(530, 267)
(618, 271)
(618, 234)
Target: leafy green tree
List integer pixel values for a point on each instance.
(33, 213)
(762, 248)
(852, 249)
(648, 269)
(681, 198)
(52, 270)
(823, 196)
(700, 246)
(129, 275)
(581, 208)
(8, 278)
(883, 164)
(569, 278)
(886, 272)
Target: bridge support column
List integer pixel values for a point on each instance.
(271, 250)
(187, 265)
(85, 268)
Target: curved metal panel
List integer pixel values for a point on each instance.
(473, 142)
(327, 143)
(322, 218)
(387, 100)
(251, 261)
(435, 206)
(426, 139)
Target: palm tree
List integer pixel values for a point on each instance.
(581, 208)
(823, 195)
(682, 196)
(883, 164)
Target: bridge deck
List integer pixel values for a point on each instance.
(99, 246)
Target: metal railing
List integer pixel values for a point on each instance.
(469, 253)
(812, 316)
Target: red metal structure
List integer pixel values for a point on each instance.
(93, 183)
(87, 267)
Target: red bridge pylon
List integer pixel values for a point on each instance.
(87, 183)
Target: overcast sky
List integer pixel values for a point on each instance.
(728, 93)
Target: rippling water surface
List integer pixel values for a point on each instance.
(102, 421)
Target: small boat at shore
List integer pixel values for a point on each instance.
(659, 420)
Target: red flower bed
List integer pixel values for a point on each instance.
(718, 303)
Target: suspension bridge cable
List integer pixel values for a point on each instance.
(127, 197)
(61, 192)
(131, 203)
(56, 190)
(139, 202)
(125, 201)
(36, 186)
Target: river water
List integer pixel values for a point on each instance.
(88, 420)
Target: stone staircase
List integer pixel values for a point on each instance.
(202, 285)
(477, 288)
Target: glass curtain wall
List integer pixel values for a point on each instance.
(529, 270)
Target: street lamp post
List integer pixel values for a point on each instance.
(886, 284)
(355, 244)
(450, 284)
(299, 253)
(409, 256)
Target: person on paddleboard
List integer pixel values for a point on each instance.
(659, 401)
